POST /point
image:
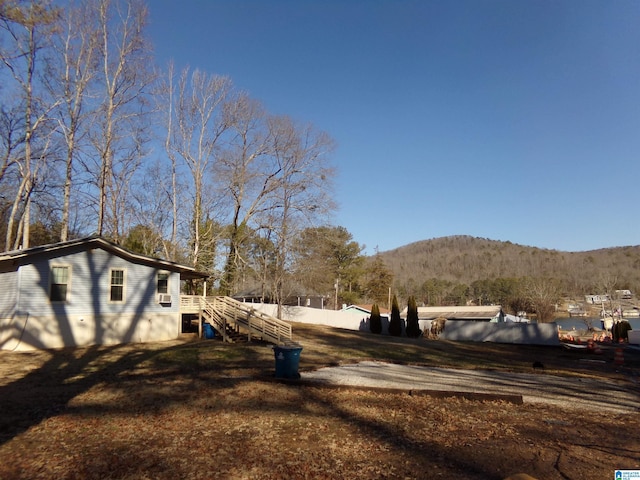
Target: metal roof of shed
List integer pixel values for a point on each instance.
(459, 312)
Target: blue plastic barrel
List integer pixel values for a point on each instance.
(209, 332)
(287, 361)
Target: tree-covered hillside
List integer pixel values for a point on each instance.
(464, 261)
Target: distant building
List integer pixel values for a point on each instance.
(304, 299)
(366, 310)
(88, 291)
(364, 313)
(481, 313)
(596, 299)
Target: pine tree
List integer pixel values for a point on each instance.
(375, 321)
(395, 325)
(413, 327)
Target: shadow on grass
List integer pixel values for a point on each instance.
(422, 454)
(52, 378)
(148, 374)
(212, 380)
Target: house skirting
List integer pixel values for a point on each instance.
(24, 332)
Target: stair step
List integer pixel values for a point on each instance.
(231, 312)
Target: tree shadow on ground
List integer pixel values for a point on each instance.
(55, 377)
(215, 396)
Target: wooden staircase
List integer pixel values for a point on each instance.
(236, 321)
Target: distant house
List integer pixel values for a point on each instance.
(86, 292)
(596, 299)
(363, 313)
(301, 299)
(624, 294)
(365, 310)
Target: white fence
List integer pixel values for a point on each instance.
(316, 316)
(457, 330)
(520, 333)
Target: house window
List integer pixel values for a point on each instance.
(117, 286)
(163, 282)
(59, 284)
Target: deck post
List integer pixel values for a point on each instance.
(224, 329)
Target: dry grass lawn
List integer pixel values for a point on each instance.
(203, 409)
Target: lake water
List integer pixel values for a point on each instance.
(579, 323)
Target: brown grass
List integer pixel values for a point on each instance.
(202, 409)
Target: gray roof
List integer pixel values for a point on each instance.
(16, 257)
(459, 312)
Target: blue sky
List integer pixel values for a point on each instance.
(509, 120)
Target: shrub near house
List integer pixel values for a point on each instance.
(375, 321)
(413, 326)
(395, 324)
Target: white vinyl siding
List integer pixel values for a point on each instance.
(8, 293)
(89, 290)
(64, 297)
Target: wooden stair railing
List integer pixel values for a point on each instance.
(212, 317)
(222, 312)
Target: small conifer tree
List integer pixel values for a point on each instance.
(375, 321)
(395, 324)
(413, 327)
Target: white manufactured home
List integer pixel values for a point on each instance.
(87, 292)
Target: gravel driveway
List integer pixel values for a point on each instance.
(569, 392)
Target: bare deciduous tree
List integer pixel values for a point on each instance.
(197, 129)
(27, 26)
(11, 139)
(152, 196)
(165, 97)
(246, 175)
(69, 76)
(119, 136)
(543, 294)
(302, 198)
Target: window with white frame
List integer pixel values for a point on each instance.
(163, 282)
(60, 277)
(116, 293)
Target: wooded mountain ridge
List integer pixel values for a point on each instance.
(464, 259)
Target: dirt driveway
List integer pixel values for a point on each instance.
(595, 394)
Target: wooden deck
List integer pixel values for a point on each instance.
(190, 304)
(227, 315)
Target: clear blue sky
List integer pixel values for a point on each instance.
(512, 120)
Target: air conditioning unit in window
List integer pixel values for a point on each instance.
(164, 298)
